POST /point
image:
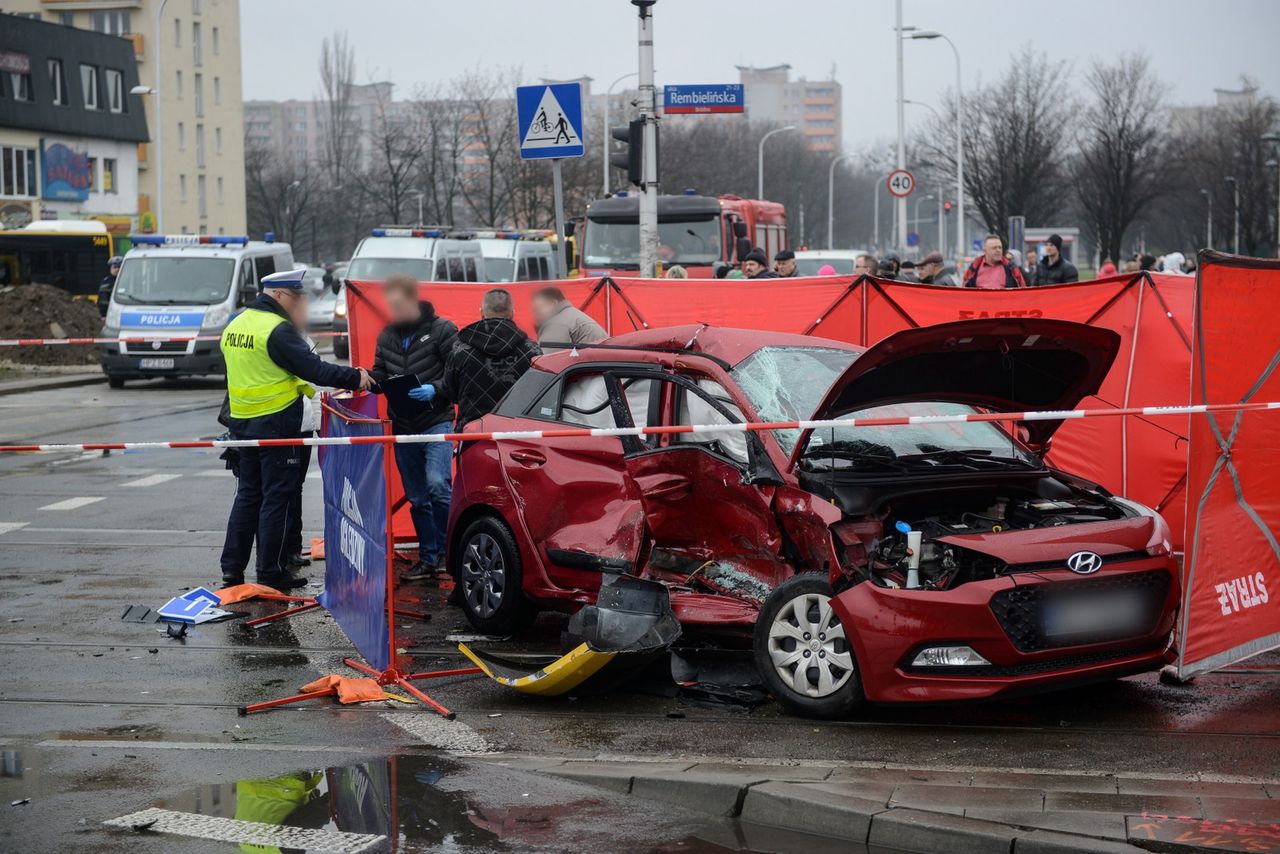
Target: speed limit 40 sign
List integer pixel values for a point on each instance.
(901, 183)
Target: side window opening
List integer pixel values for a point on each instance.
(469, 267)
(264, 265)
(692, 408)
(586, 401)
(455, 269)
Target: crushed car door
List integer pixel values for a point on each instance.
(581, 511)
(705, 510)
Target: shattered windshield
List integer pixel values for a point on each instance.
(788, 383)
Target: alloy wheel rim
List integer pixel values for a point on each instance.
(808, 646)
(484, 575)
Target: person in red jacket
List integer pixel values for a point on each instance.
(992, 270)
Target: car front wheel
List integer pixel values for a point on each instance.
(803, 652)
(490, 574)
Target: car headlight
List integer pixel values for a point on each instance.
(215, 318)
(113, 315)
(949, 656)
(340, 310)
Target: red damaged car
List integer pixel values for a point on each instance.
(921, 563)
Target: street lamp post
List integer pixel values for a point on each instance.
(831, 199)
(1235, 190)
(760, 158)
(1208, 220)
(604, 135)
(159, 42)
(287, 230)
(915, 213)
(933, 34)
(900, 236)
(420, 194)
(875, 217)
(1273, 139)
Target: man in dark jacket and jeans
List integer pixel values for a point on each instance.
(491, 354)
(416, 342)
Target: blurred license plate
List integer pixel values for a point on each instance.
(156, 364)
(1117, 613)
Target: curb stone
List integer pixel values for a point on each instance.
(48, 383)
(1050, 842)
(920, 831)
(794, 806)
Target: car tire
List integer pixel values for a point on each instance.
(803, 652)
(341, 349)
(115, 382)
(489, 573)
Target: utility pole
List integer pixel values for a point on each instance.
(901, 236)
(649, 157)
(1208, 220)
(1235, 190)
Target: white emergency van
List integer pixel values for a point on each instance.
(426, 254)
(182, 286)
(517, 256)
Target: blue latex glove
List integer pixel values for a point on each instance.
(423, 393)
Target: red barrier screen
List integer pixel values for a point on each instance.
(1231, 605)
(1143, 458)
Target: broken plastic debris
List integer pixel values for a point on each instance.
(19, 802)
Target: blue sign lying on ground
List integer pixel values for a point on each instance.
(704, 98)
(355, 537)
(550, 120)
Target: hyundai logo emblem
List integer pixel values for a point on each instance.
(1084, 563)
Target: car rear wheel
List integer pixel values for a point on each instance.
(490, 574)
(803, 652)
(341, 348)
(115, 382)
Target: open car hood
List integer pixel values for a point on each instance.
(997, 364)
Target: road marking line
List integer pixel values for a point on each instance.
(6, 527)
(213, 473)
(452, 736)
(313, 475)
(199, 745)
(73, 503)
(151, 480)
(248, 832)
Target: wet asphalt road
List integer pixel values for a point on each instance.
(99, 718)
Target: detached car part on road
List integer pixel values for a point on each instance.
(889, 564)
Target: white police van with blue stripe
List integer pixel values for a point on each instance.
(182, 286)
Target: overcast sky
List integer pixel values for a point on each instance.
(1194, 45)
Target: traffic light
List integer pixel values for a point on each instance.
(629, 159)
(946, 207)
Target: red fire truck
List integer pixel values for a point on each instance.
(693, 231)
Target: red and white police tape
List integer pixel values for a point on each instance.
(27, 342)
(584, 432)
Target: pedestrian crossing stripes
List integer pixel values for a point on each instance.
(73, 503)
(6, 527)
(151, 480)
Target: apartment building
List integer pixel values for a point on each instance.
(191, 173)
(814, 106)
(70, 129)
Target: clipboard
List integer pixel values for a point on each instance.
(397, 390)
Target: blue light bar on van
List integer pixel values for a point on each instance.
(527, 234)
(407, 232)
(188, 239)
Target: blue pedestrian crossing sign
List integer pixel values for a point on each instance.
(550, 120)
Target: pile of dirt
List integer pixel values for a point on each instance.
(43, 311)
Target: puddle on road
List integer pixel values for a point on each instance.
(422, 803)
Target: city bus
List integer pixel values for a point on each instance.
(69, 254)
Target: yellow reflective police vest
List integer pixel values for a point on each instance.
(256, 385)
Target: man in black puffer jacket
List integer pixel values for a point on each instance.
(416, 342)
(490, 356)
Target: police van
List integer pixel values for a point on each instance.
(182, 286)
(517, 256)
(426, 254)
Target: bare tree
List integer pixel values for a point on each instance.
(1121, 133)
(1017, 137)
(397, 147)
(280, 195)
(491, 120)
(337, 77)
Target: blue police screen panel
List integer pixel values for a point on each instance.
(355, 536)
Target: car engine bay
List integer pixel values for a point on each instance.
(913, 538)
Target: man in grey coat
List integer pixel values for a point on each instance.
(559, 323)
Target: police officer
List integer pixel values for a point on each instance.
(269, 370)
(108, 284)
